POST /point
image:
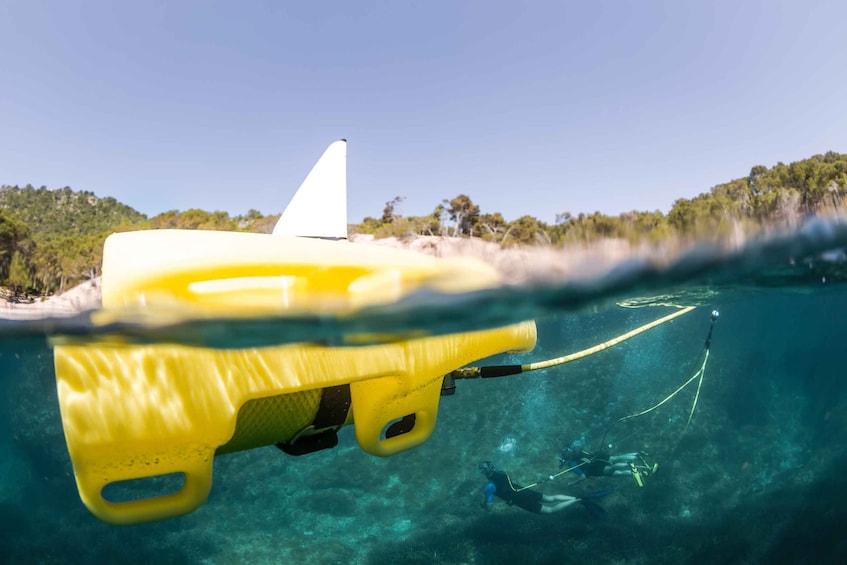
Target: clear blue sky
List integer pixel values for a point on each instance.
(529, 108)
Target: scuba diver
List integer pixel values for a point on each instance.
(500, 485)
(600, 464)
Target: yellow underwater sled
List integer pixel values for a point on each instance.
(137, 411)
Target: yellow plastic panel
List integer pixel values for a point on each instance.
(131, 411)
(234, 274)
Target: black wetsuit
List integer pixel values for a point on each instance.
(599, 461)
(505, 490)
(590, 464)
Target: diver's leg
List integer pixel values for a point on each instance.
(623, 458)
(560, 505)
(617, 470)
(556, 498)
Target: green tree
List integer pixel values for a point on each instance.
(464, 213)
(390, 210)
(427, 225)
(20, 275)
(491, 227)
(369, 225)
(523, 231)
(14, 239)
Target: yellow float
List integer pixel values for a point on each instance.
(135, 411)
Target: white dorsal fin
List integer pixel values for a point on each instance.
(319, 207)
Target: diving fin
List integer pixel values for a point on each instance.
(592, 506)
(597, 494)
(641, 471)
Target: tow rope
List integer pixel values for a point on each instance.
(699, 374)
(505, 370)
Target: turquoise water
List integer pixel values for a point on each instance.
(757, 477)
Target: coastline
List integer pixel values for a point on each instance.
(515, 266)
(523, 265)
(80, 298)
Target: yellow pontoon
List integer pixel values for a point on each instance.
(136, 411)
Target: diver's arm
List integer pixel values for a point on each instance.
(576, 469)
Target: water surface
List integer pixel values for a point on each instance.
(757, 476)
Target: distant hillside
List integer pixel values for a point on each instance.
(768, 198)
(65, 212)
(51, 240)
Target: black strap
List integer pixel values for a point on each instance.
(332, 413)
(500, 371)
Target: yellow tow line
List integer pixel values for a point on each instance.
(605, 345)
(701, 372)
(503, 370)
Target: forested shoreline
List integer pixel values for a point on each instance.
(52, 240)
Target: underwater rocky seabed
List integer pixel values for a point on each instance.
(757, 478)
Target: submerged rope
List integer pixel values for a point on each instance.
(701, 372)
(503, 370)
